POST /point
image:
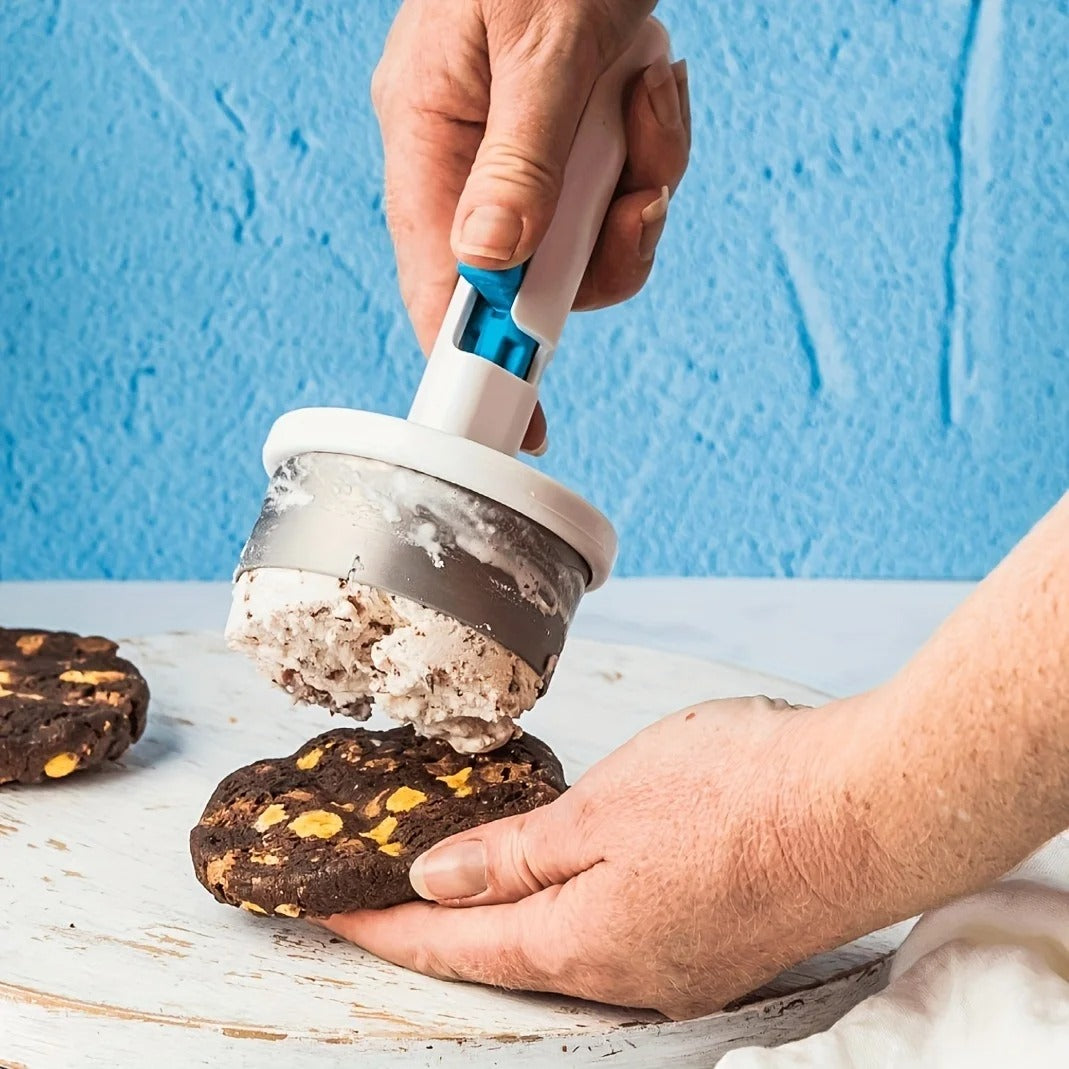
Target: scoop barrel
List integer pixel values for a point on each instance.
(425, 539)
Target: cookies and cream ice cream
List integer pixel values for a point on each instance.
(346, 646)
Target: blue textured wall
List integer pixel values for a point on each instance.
(851, 360)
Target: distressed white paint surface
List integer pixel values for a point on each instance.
(113, 956)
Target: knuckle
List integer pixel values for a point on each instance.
(511, 869)
(519, 34)
(766, 703)
(380, 88)
(552, 35)
(503, 161)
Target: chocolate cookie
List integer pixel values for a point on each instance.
(67, 703)
(336, 826)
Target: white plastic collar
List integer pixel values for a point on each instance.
(456, 460)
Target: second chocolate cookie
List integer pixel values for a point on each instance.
(67, 703)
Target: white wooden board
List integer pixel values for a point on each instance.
(112, 955)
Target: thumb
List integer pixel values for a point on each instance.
(506, 860)
(537, 95)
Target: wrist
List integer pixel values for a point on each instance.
(816, 848)
(928, 809)
(865, 839)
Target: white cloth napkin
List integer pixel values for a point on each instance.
(983, 981)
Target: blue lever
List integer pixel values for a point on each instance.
(491, 332)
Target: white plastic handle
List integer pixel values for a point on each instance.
(597, 158)
(469, 396)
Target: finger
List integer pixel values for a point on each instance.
(507, 860)
(682, 76)
(535, 441)
(428, 158)
(623, 256)
(541, 78)
(505, 946)
(658, 153)
(552, 941)
(658, 137)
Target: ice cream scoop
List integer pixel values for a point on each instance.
(434, 512)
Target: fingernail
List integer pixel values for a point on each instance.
(664, 94)
(653, 217)
(451, 872)
(682, 76)
(539, 450)
(492, 232)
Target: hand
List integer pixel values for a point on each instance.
(740, 836)
(682, 871)
(478, 103)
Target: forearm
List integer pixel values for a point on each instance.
(967, 749)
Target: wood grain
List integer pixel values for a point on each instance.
(112, 951)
